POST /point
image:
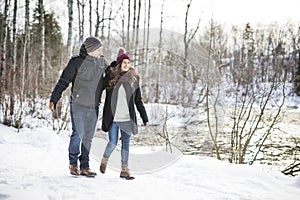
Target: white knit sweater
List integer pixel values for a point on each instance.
(122, 111)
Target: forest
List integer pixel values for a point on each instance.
(239, 75)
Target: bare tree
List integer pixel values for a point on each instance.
(296, 50)
(109, 24)
(42, 39)
(70, 27)
(144, 27)
(187, 39)
(188, 35)
(100, 21)
(4, 61)
(158, 81)
(14, 61)
(132, 42)
(252, 121)
(148, 29)
(90, 17)
(97, 19)
(137, 32)
(146, 48)
(209, 111)
(80, 7)
(128, 23)
(103, 16)
(123, 25)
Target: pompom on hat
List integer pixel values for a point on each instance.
(91, 44)
(121, 57)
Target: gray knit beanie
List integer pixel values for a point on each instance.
(91, 44)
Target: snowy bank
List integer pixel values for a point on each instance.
(34, 165)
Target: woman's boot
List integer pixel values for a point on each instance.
(125, 172)
(103, 165)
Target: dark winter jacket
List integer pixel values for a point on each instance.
(86, 74)
(134, 97)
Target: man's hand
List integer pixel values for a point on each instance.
(52, 106)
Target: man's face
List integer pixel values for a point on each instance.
(97, 53)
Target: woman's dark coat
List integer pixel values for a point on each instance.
(134, 97)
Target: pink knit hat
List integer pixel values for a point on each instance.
(122, 57)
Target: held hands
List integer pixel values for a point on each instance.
(52, 106)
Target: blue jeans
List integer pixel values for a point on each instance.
(84, 121)
(113, 135)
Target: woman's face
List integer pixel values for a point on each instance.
(125, 65)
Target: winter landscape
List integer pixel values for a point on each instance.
(34, 166)
(219, 79)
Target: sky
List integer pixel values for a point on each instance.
(34, 165)
(226, 12)
(254, 10)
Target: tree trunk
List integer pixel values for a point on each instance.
(147, 48)
(207, 96)
(109, 24)
(157, 95)
(4, 61)
(137, 33)
(14, 61)
(3, 51)
(297, 78)
(42, 39)
(123, 25)
(90, 17)
(188, 37)
(70, 13)
(128, 25)
(132, 42)
(80, 7)
(97, 19)
(144, 28)
(103, 16)
(25, 62)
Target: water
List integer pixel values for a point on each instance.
(281, 148)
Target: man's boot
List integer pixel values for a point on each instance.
(74, 170)
(87, 172)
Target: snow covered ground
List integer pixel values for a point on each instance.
(34, 165)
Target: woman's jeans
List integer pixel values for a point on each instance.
(84, 121)
(113, 134)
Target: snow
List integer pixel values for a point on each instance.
(34, 165)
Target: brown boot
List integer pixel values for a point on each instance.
(103, 165)
(88, 173)
(74, 170)
(125, 172)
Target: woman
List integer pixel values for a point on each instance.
(122, 93)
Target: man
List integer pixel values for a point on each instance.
(86, 72)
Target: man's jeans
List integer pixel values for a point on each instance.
(113, 140)
(83, 128)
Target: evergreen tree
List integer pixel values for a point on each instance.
(53, 47)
